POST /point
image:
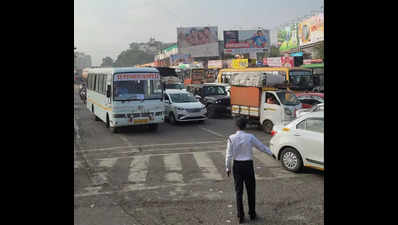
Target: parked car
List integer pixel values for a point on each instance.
(213, 96)
(181, 106)
(315, 108)
(310, 99)
(300, 143)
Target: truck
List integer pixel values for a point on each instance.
(263, 98)
(169, 78)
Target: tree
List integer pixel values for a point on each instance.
(107, 62)
(133, 57)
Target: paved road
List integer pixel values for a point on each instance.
(176, 176)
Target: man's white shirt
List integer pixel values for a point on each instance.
(239, 147)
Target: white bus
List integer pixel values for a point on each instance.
(125, 96)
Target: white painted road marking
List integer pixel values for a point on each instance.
(107, 162)
(173, 166)
(213, 132)
(209, 170)
(138, 169)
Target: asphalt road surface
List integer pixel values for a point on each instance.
(175, 175)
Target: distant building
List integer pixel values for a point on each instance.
(82, 61)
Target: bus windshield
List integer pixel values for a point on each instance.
(288, 98)
(301, 80)
(136, 90)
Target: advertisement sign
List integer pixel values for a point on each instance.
(214, 64)
(240, 63)
(198, 41)
(311, 30)
(285, 61)
(180, 58)
(287, 38)
(312, 61)
(247, 41)
(136, 76)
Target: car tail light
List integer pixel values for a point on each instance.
(273, 133)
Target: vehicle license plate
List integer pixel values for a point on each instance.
(228, 108)
(138, 121)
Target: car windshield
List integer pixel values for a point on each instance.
(301, 80)
(174, 86)
(182, 97)
(288, 98)
(137, 90)
(214, 90)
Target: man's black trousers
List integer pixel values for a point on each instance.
(243, 172)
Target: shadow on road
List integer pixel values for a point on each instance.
(308, 170)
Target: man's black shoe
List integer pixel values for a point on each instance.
(241, 219)
(253, 216)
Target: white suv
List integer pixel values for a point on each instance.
(181, 105)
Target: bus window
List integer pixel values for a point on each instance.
(100, 83)
(137, 90)
(94, 82)
(97, 83)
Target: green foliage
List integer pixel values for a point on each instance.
(107, 62)
(133, 57)
(139, 54)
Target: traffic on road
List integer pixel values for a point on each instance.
(138, 138)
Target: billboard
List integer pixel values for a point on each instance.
(240, 63)
(284, 61)
(287, 38)
(246, 41)
(198, 41)
(214, 64)
(311, 30)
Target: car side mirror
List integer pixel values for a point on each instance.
(108, 91)
(167, 101)
(198, 97)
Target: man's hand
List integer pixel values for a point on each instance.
(228, 173)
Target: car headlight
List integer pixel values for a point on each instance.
(218, 101)
(180, 109)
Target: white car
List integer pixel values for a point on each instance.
(315, 108)
(181, 106)
(300, 142)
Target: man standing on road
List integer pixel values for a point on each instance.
(239, 148)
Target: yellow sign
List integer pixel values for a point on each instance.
(138, 121)
(240, 63)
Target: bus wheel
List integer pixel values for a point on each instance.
(153, 127)
(107, 124)
(114, 130)
(267, 126)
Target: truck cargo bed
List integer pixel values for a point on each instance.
(247, 96)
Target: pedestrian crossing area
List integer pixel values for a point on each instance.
(160, 170)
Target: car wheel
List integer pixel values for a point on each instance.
(172, 119)
(267, 126)
(291, 159)
(210, 111)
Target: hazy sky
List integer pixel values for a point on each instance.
(107, 27)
